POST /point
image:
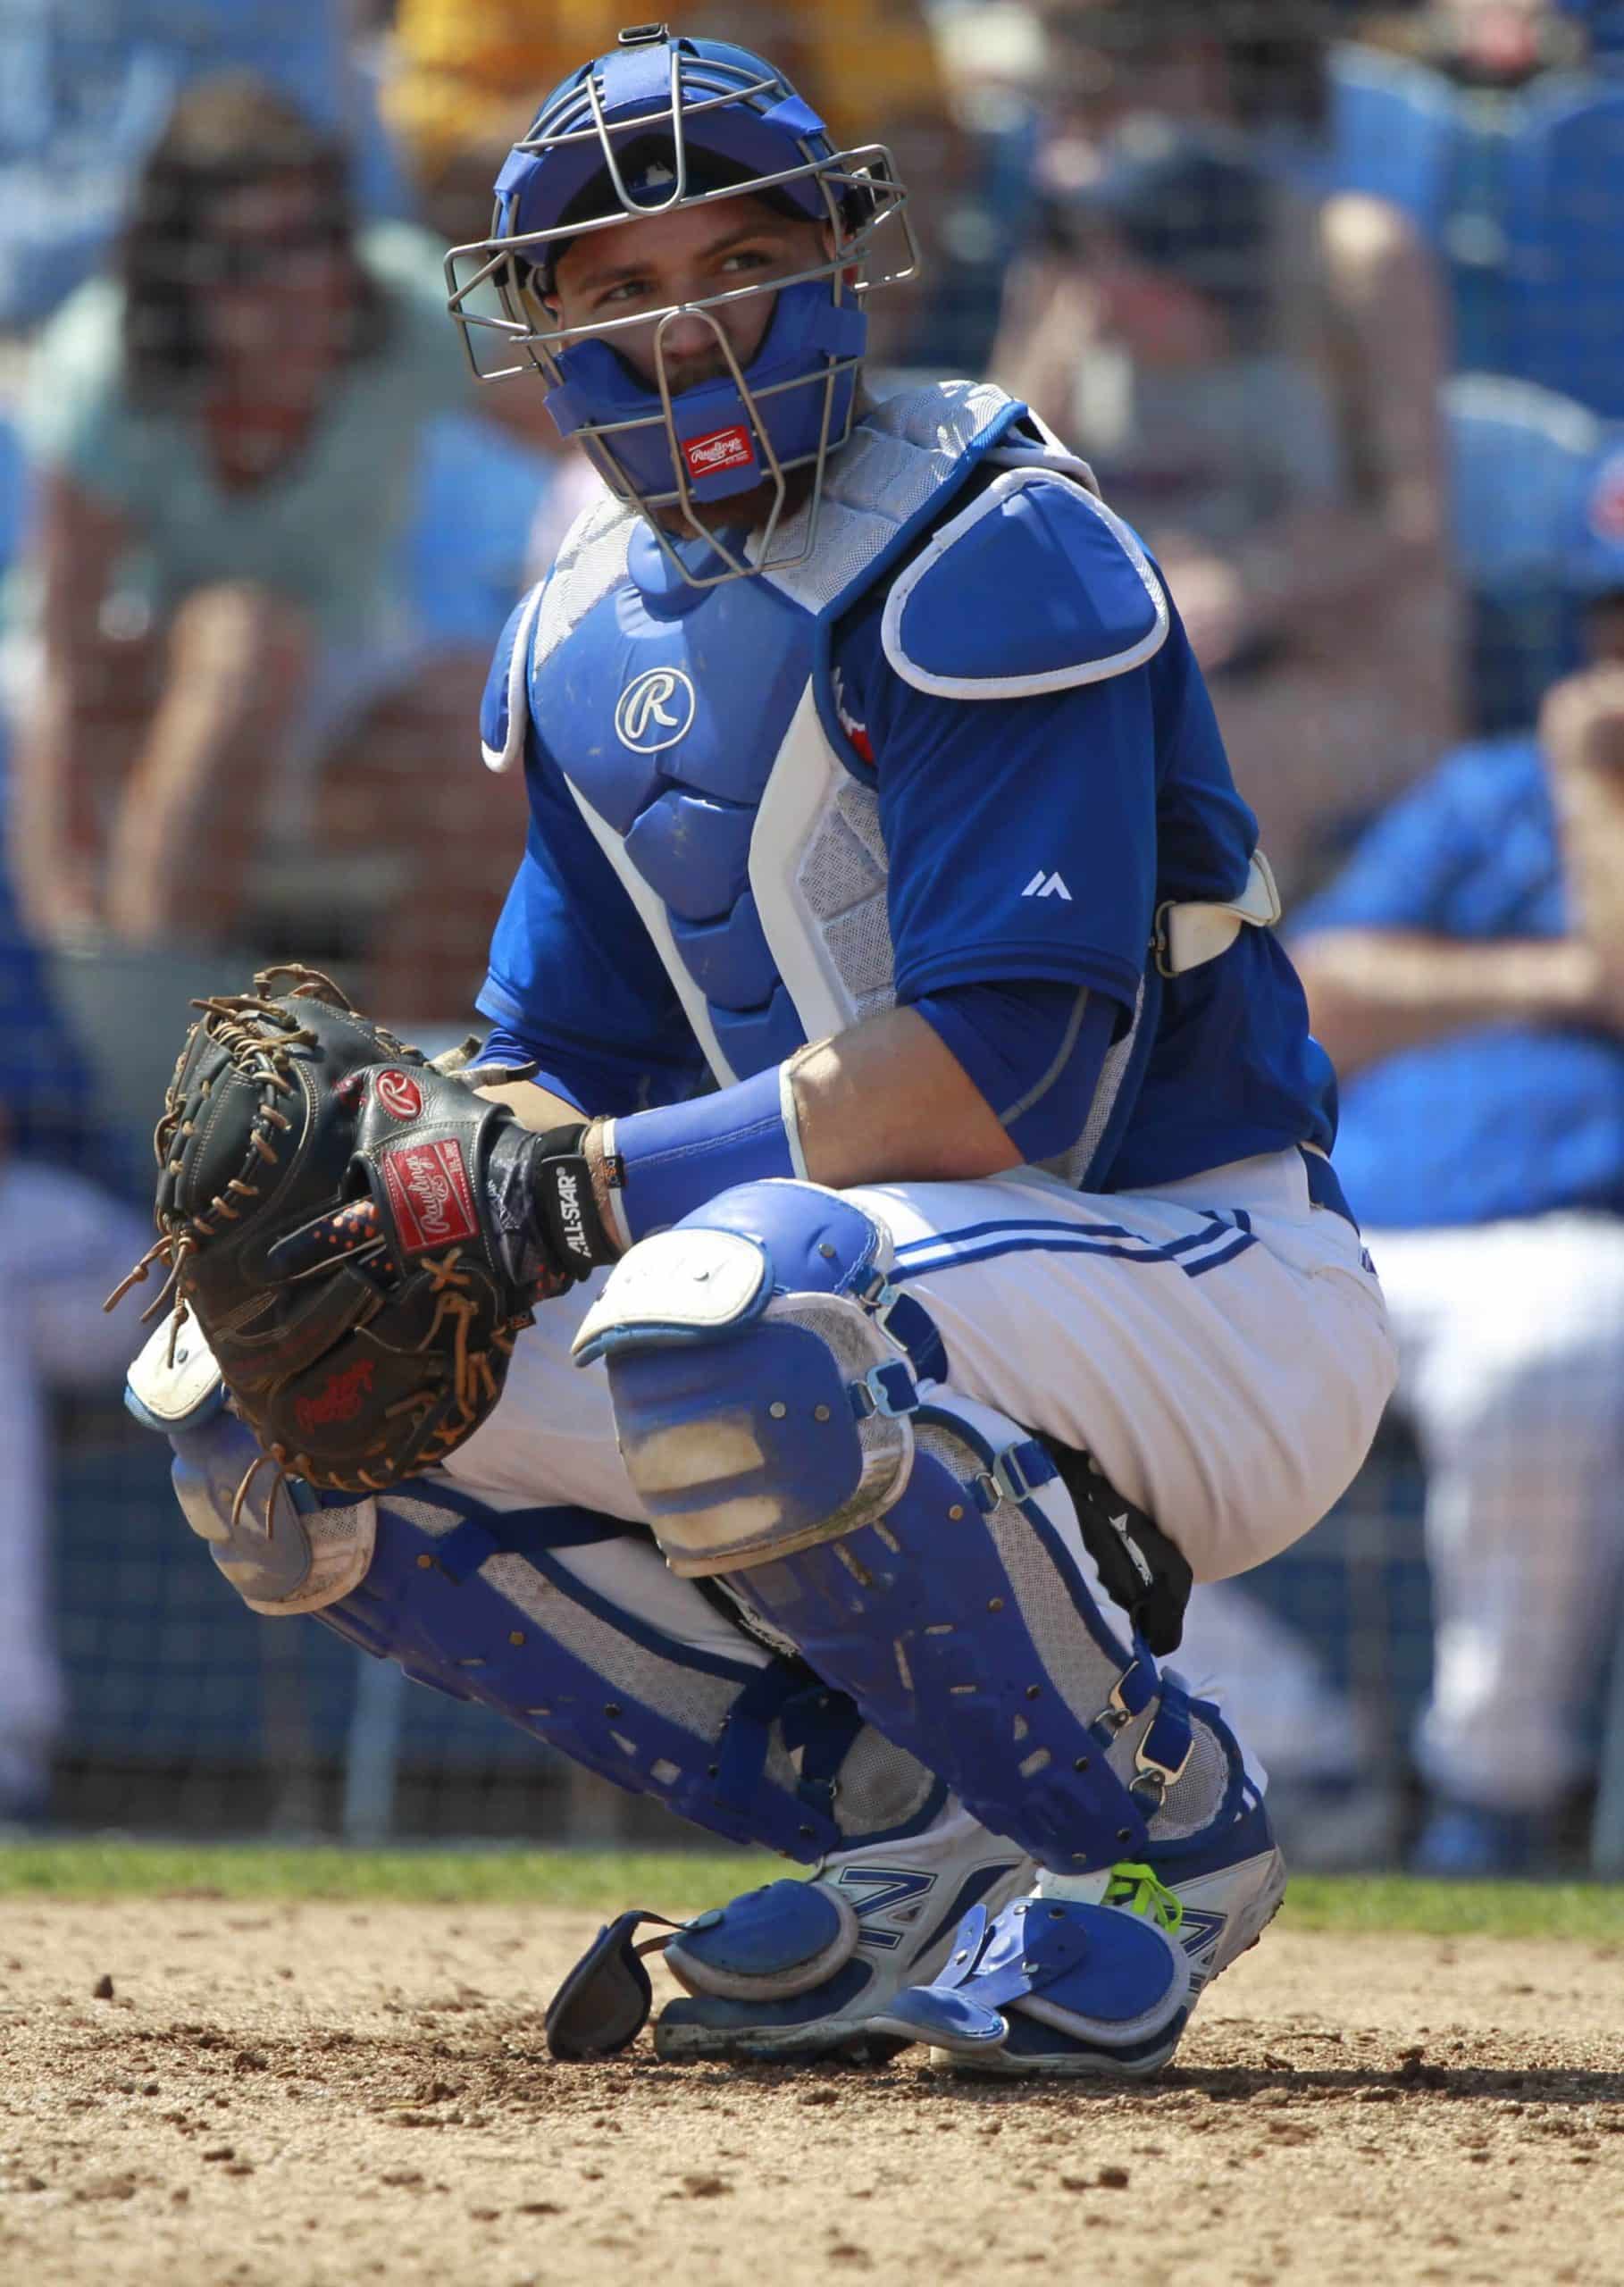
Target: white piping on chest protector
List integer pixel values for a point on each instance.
(651, 912)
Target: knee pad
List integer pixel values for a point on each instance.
(480, 1604)
(763, 1371)
(283, 1546)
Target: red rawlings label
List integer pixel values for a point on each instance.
(338, 1399)
(721, 449)
(429, 1194)
(401, 1095)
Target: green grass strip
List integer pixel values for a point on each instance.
(680, 1881)
(1349, 1903)
(592, 1881)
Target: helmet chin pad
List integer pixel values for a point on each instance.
(729, 439)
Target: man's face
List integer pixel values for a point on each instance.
(688, 255)
(279, 275)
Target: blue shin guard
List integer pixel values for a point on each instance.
(967, 1629)
(484, 1604)
(921, 1552)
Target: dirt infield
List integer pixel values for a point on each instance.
(287, 2095)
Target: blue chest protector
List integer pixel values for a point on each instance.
(712, 839)
(702, 689)
(701, 732)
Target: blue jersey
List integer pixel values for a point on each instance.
(1502, 1121)
(965, 742)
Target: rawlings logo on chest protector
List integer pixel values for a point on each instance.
(655, 711)
(429, 1196)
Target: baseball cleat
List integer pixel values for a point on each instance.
(1097, 1975)
(800, 1969)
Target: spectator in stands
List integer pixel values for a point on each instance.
(66, 1237)
(1320, 600)
(84, 88)
(1466, 973)
(210, 637)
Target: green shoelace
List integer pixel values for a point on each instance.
(1141, 1890)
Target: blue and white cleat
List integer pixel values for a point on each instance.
(801, 1969)
(1097, 1974)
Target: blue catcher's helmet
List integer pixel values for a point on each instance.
(657, 124)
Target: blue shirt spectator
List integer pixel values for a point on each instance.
(1502, 1119)
(1466, 973)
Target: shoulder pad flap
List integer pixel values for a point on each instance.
(504, 709)
(1036, 586)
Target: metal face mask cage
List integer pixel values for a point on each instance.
(796, 401)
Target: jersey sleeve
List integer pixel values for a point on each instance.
(573, 974)
(1021, 831)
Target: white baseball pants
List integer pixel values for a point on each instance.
(1217, 1345)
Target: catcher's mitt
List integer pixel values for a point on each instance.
(324, 1201)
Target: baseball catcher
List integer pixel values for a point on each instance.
(888, 1242)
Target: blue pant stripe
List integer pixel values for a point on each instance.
(990, 1251)
(1016, 1223)
(1146, 1248)
(1243, 1239)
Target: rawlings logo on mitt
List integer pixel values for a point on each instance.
(322, 1206)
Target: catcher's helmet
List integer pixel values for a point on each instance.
(657, 124)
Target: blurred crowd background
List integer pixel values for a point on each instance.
(1332, 298)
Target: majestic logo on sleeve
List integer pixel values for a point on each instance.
(723, 448)
(429, 1195)
(655, 711)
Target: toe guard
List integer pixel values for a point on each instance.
(769, 1945)
(1098, 1974)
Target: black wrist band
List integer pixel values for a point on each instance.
(569, 1230)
